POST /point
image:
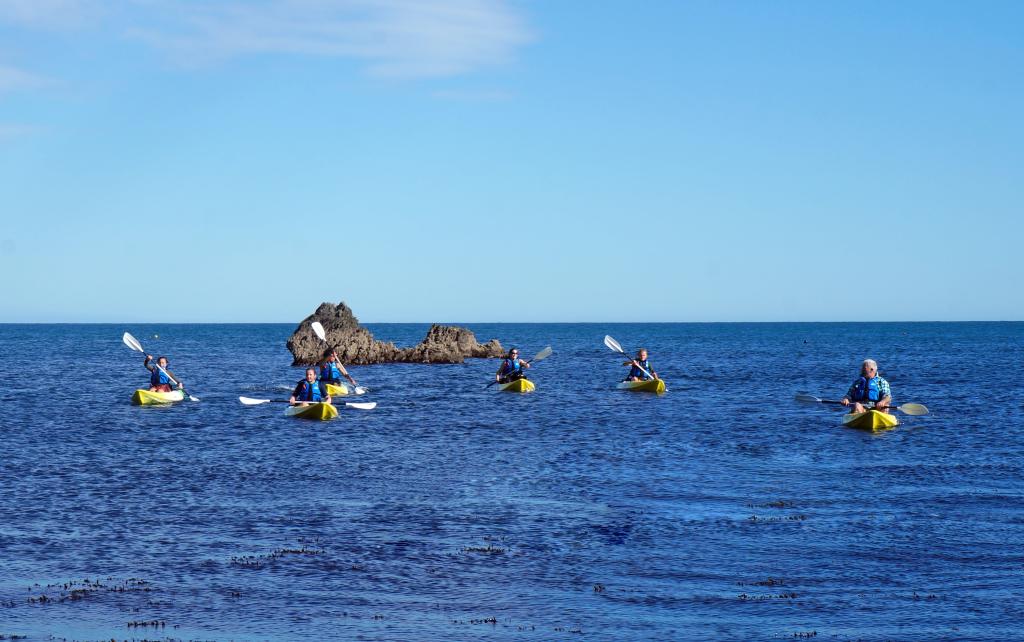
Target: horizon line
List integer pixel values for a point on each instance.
(2, 323)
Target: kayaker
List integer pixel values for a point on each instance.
(160, 379)
(309, 390)
(635, 372)
(331, 370)
(869, 390)
(511, 368)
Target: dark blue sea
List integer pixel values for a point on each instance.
(721, 510)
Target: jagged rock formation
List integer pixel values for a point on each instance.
(356, 345)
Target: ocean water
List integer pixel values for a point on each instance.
(720, 510)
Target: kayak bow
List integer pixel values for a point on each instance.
(336, 391)
(872, 420)
(319, 411)
(143, 397)
(651, 385)
(519, 385)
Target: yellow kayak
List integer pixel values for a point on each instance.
(336, 391)
(319, 411)
(872, 420)
(519, 385)
(651, 385)
(147, 398)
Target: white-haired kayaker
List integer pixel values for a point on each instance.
(309, 390)
(160, 379)
(639, 364)
(331, 370)
(511, 368)
(869, 390)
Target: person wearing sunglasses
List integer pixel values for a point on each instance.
(331, 370)
(511, 368)
(869, 390)
(160, 379)
(638, 365)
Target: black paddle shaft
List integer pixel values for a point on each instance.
(839, 403)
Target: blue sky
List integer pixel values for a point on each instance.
(474, 160)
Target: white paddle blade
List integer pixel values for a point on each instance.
(913, 409)
(369, 405)
(613, 344)
(132, 342)
(807, 399)
(543, 354)
(318, 330)
(359, 390)
(249, 401)
(193, 398)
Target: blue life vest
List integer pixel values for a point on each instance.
(866, 390)
(158, 378)
(637, 372)
(309, 391)
(510, 366)
(330, 372)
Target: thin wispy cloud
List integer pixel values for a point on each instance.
(473, 95)
(13, 79)
(49, 14)
(396, 38)
(10, 131)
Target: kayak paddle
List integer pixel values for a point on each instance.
(318, 330)
(614, 345)
(134, 344)
(249, 401)
(540, 356)
(906, 408)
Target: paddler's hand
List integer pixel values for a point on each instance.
(844, 401)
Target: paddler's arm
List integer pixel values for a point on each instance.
(848, 397)
(345, 374)
(295, 393)
(145, 362)
(323, 391)
(175, 377)
(886, 392)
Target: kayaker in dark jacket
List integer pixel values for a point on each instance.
(331, 370)
(511, 368)
(309, 390)
(635, 372)
(869, 390)
(160, 378)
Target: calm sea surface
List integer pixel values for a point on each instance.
(721, 510)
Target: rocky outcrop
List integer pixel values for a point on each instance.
(356, 345)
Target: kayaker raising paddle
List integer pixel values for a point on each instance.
(309, 390)
(868, 390)
(511, 368)
(160, 379)
(331, 370)
(639, 365)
